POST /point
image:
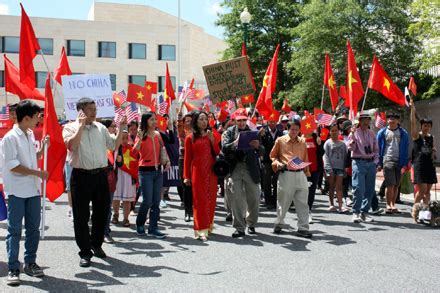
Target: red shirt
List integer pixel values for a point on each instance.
(312, 150)
(149, 156)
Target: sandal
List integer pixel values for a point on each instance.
(396, 211)
(115, 219)
(388, 211)
(203, 238)
(126, 223)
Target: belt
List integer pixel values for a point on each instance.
(295, 171)
(364, 159)
(148, 168)
(91, 171)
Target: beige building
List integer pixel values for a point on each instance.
(130, 42)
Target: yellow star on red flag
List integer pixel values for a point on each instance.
(140, 96)
(386, 83)
(127, 159)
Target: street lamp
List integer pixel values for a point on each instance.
(245, 18)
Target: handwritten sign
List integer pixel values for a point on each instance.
(228, 80)
(94, 86)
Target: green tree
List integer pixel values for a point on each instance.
(373, 27)
(271, 24)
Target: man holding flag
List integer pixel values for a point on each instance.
(21, 179)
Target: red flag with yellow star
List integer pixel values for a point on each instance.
(329, 81)
(162, 123)
(286, 108)
(412, 86)
(247, 99)
(168, 93)
(138, 94)
(382, 83)
(264, 103)
(308, 123)
(130, 163)
(354, 87)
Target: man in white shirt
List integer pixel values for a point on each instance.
(22, 185)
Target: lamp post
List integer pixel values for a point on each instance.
(245, 18)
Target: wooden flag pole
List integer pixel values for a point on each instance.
(365, 98)
(322, 98)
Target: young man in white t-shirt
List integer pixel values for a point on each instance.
(22, 185)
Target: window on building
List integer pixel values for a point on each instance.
(77, 73)
(2, 78)
(137, 51)
(167, 52)
(162, 82)
(40, 79)
(76, 48)
(10, 44)
(137, 79)
(113, 81)
(107, 49)
(46, 45)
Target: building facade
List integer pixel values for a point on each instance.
(132, 43)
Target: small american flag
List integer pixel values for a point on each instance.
(325, 119)
(292, 114)
(297, 164)
(182, 91)
(163, 105)
(4, 113)
(132, 112)
(231, 106)
(380, 120)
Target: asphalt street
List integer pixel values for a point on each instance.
(391, 255)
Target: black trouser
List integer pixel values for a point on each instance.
(314, 177)
(86, 187)
(187, 191)
(270, 184)
(346, 183)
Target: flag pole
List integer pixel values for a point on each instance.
(178, 47)
(43, 213)
(322, 98)
(365, 98)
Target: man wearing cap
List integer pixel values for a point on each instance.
(243, 183)
(268, 138)
(292, 184)
(364, 154)
(393, 157)
(283, 122)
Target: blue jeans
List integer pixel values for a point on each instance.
(29, 209)
(151, 185)
(363, 181)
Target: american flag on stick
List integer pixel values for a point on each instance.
(4, 113)
(231, 106)
(163, 106)
(381, 121)
(325, 119)
(297, 164)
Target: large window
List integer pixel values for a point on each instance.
(2, 78)
(46, 45)
(40, 79)
(76, 48)
(137, 51)
(167, 52)
(162, 82)
(113, 81)
(137, 79)
(10, 44)
(107, 49)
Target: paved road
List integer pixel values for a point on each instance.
(392, 255)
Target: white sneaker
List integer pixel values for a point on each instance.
(310, 218)
(366, 218)
(348, 202)
(356, 218)
(163, 204)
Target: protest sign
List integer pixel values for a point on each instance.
(171, 176)
(94, 86)
(228, 80)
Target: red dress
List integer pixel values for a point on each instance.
(198, 166)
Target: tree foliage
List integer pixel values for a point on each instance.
(307, 30)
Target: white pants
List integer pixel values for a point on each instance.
(293, 186)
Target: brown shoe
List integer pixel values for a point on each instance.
(126, 223)
(115, 219)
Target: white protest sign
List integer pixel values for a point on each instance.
(94, 86)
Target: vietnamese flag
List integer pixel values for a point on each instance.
(264, 103)
(13, 84)
(162, 123)
(324, 134)
(344, 95)
(382, 83)
(412, 86)
(286, 107)
(63, 67)
(308, 124)
(28, 50)
(56, 154)
(354, 82)
(130, 161)
(247, 99)
(329, 81)
(244, 54)
(190, 107)
(274, 116)
(168, 93)
(138, 94)
(151, 89)
(222, 115)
